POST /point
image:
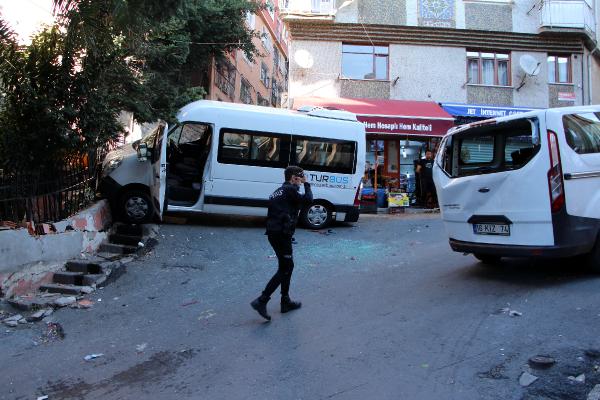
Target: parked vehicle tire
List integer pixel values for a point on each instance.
(136, 207)
(487, 258)
(316, 216)
(592, 260)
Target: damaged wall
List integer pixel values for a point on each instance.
(23, 254)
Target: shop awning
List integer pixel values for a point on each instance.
(482, 111)
(380, 116)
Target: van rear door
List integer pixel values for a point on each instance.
(580, 159)
(159, 172)
(492, 185)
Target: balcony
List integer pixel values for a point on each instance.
(315, 9)
(567, 15)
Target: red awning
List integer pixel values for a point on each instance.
(422, 118)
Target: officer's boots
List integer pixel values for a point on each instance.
(288, 305)
(260, 305)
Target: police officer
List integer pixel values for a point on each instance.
(284, 206)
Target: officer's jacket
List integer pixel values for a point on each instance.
(284, 205)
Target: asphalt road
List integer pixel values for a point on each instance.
(389, 312)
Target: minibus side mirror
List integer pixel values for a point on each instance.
(142, 152)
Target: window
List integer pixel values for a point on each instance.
(275, 58)
(364, 62)
(275, 93)
(491, 69)
(250, 20)
(582, 132)
(262, 101)
(271, 9)
(225, 77)
(246, 92)
(264, 74)
(493, 148)
(253, 148)
(559, 69)
(265, 38)
(327, 155)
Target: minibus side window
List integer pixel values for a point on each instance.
(582, 132)
(327, 155)
(253, 148)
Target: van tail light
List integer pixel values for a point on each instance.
(358, 195)
(555, 176)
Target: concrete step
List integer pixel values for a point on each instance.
(129, 240)
(93, 279)
(117, 248)
(83, 266)
(69, 278)
(133, 230)
(65, 289)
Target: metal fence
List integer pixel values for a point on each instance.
(49, 196)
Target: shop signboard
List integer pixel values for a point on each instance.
(566, 96)
(396, 199)
(406, 125)
(478, 111)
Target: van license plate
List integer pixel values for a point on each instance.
(491, 229)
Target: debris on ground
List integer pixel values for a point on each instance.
(206, 314)
(594, 394)
(515, 313)
(12, 321)
(141, 347)
(85, 303)
(577, 379)
(54, 331)
(189, 303)
(65, 301)
(44, 397)
(39, 315)
(541, 361)
(527, 379)
(92, 356)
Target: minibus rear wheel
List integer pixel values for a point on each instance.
(316, 216)
(136, 207)
(487, 259)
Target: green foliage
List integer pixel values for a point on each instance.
(62, 94)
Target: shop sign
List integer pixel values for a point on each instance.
(467, 110)
(566, 96)
(403, 125)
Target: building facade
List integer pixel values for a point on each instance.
(262, 81)
(474, 58)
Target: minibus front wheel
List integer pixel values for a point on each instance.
(136, 206)
(317, 216)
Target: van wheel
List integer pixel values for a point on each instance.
(136, 207)
(592, 260)
(316, 216)
(487, 258)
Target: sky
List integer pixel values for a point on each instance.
(26, 16)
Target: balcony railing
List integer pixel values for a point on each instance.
(567, 14)
(320, 7)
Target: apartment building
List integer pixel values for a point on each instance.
(262, 81)
(410, 69)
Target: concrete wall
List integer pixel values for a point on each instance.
(490, 95)
(420, 77)
(479, 16)
(526, 16)
(22, 253)
(365, 89)
(322, 78)
(534, 92)
(387, 12)
(347, 12)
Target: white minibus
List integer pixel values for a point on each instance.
(226, 158)
(523, 185)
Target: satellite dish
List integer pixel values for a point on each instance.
(304, 59)
(529, 65)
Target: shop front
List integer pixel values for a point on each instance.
(398, 133)
(467, 113)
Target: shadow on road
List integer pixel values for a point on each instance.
(531, 272)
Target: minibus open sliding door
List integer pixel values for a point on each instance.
(159, 173)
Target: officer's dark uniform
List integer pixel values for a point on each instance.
(284, 205)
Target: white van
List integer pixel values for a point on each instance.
(524, 185)
(227, 158)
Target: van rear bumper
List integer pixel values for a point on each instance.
(503, 250)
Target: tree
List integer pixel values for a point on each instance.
(63, 92)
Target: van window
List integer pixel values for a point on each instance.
(582, 131)
(253, 148)
(327, 155)
(490, 148)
